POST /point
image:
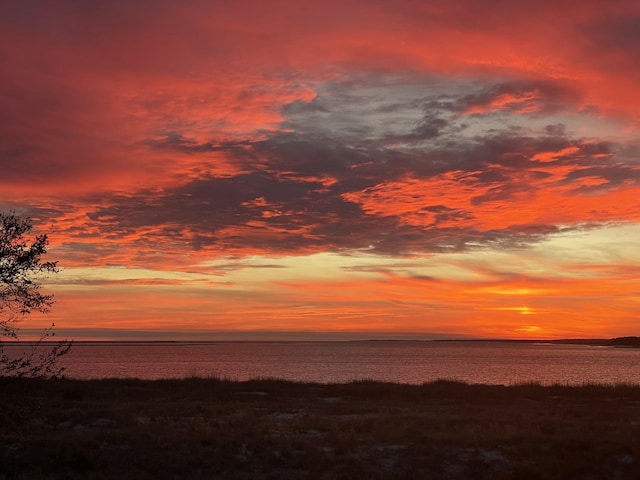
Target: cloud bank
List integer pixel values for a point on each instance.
(179, 138)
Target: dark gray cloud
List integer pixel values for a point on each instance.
(293, 213)
(297, 192)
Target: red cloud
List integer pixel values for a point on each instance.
(86, 89)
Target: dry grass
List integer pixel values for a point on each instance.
(208, 428)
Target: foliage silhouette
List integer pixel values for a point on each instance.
(21, 270)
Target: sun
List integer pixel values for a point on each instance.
(529, 329)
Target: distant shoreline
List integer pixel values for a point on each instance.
(597, 342)
(628, 342)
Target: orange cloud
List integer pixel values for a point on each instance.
(540, 194)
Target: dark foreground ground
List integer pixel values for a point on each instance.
(205, 428)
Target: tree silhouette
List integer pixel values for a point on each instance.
(21, 270)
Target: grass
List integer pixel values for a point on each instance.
(273, 429)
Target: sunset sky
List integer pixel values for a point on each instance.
(354, 168)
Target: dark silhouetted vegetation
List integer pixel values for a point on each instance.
(21, 269)
(273, 429)
(625, 342)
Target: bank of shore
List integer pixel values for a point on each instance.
(209, 428)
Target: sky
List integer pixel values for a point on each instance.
(278, 169)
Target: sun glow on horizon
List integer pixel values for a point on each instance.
(530, 329)
(437, 294)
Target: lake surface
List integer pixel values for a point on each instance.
(328, 362)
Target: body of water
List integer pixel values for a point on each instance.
(328, 362)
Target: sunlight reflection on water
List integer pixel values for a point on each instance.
(328, 362)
